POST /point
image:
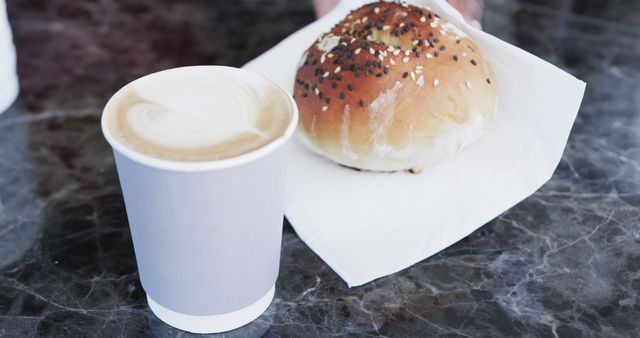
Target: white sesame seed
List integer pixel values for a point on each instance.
(372, 51)
(419, 67)
(436, 82)
(413, 76)
(407, 52)
(406, 59)
(386, 27)
(401, 25)
(324, 108)
(433, 24)
(376, 10)
(443, 32)
(330, 55)
(392, 62)
(458, 37)
(343, 43)
(418, 71)
(468, 84)
(415, 42)
(405, 5)
(357, 51)
(316, 91)
(369, 38)
(404, 14)
(396, 52)
(381, 57)
(390, 48)
(353, 39)
(325, 74)
(322, 58)
(384, 52)
(429, 56)
(464, 54)
(423, 19)
(337, 70)
(365, 19)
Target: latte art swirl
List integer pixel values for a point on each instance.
(198, 117)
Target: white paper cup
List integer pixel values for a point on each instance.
(8, 76)
(206, 234)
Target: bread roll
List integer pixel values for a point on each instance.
(393, 87)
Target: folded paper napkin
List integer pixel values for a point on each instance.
(8, 76)
(368, 225)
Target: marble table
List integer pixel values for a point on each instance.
(565, 262)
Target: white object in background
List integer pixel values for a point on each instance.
(368, 225)
(206, 235)
(8, 76)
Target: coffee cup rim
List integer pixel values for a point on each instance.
(196, 166)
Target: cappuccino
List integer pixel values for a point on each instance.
(198, 114)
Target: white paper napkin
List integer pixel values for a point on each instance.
(368, 225)
(8, 76)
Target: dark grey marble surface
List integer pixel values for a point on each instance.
(565, 262)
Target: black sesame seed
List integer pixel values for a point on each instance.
(488, 81)
(405, 74)
(306, 94)
(458, 41)
(350, 87)
(306, 86)
(341, 95)
(473, 62)
(455, 58)
(386, 70)
(334, 85)
(431, 34)
(352, 67)
(294, 96)
(436, 40)
(372, 70)
(430, 16)
(367, 63)
(338, 77)
(379, 75)
(365, 45)
(436, 53)
(320, 95)
(357, 72)
(361, 103)
(443, 47)
(328, 100)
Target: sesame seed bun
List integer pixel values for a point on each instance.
(393, 87)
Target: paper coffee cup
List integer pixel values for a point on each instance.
(206, 235)
(8, 76)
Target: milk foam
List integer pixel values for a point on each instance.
(199, 114)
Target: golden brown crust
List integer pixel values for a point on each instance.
(393, 87)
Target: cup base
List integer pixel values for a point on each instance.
(214, 323)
